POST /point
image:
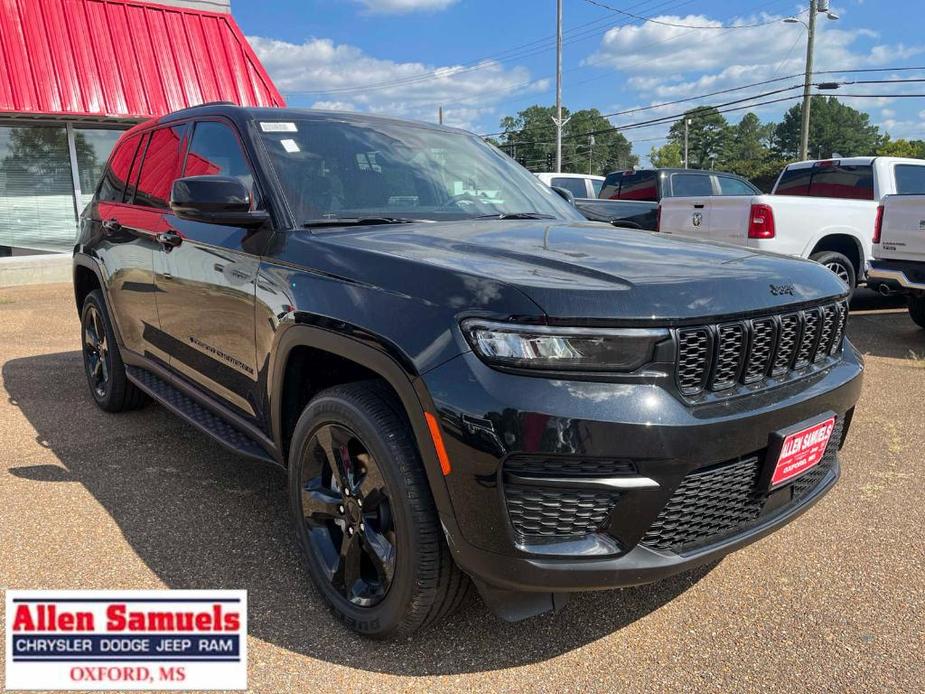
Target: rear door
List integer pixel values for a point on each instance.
(903, 230)
(126, 249)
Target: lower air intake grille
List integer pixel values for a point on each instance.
(717, 502)
(562, 513)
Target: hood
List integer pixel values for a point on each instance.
(576, 270)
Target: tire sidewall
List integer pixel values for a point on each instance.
(385, 617)
(832, 256)
(93, 300)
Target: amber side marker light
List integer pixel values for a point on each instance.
(438, 443)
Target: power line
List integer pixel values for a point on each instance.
(651, 20)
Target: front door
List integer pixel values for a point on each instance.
(206, 283)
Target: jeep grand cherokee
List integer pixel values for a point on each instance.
(467, 383)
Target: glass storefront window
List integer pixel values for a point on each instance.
(37, 188)
(93, 148)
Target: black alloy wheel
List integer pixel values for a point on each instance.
(347, 510)
(96, 351)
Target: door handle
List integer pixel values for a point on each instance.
(169, 239)
(111, 226)
(698, 207)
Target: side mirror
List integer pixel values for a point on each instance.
(564, 194)
(215, 200)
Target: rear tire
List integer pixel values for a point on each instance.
(917, 309)
(382, 565)
(103, 366)
(840, 265)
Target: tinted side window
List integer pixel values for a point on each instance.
(117, 171)
(611, 188)
(852, 182)
(639, 186)
(795, 182)
(683, 185)
(216, 151)
(910, 179)
(596, 187)
(576, 186)
(161, 166)
(733, 186)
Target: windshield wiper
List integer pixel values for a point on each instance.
(355, 221)
(516, 215)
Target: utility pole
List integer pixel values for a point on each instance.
(558, 118)
(590, 154)
(440, 115)
(807, 81)
(687, 125)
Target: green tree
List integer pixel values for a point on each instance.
(748, 152)
(914, 149)
(834, 127)
(530, 137)
(669, 156)
(708, 136)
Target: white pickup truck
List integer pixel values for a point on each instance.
(822, 210)
(898, 264)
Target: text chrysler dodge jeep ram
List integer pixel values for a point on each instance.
(467, 382)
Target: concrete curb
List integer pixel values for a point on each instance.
(35, 269)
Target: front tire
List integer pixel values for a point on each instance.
(840, 265)
(103, 366)
(364, 517)
(917, 309)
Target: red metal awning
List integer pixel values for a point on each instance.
(123, 59)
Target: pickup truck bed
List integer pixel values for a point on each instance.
(631, 214)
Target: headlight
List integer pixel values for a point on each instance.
(554, 348)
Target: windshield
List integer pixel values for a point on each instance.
(340, 169)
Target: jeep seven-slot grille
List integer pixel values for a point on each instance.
(720, 357)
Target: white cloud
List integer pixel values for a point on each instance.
(403, 6)
(326, 75)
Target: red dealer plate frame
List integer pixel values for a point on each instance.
(799, 449)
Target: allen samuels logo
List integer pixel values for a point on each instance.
(148, 639)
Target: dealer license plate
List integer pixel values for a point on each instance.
(802, 451)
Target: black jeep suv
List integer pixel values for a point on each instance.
(466, 382)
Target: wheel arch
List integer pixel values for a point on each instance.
(86, 278)
(846, 244)
(300, 347)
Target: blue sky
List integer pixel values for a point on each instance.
(483, 60)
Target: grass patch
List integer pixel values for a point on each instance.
(4, 300)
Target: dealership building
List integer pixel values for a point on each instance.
(75, 73)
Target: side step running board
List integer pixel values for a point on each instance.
(199, 416)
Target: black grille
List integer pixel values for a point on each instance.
(562, 513)
(567, 467)
(748, 352)
(730, 348)
(708, 503)
(760, 350)
(719, 501)
(693, 359)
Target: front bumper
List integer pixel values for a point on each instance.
(900, 276)
(490, 418)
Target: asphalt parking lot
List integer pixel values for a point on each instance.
(833, 602)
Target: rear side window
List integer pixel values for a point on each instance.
(118, 170)
(576, 186)
(160, 167)
(611, 188)
(910, 179)
(733, 186)
(830, 181)
(684, 185)
(641, 185)
(596, 186)
(216, 151)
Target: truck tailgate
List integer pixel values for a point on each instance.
(903, 228)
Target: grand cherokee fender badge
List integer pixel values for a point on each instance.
(781, 289)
